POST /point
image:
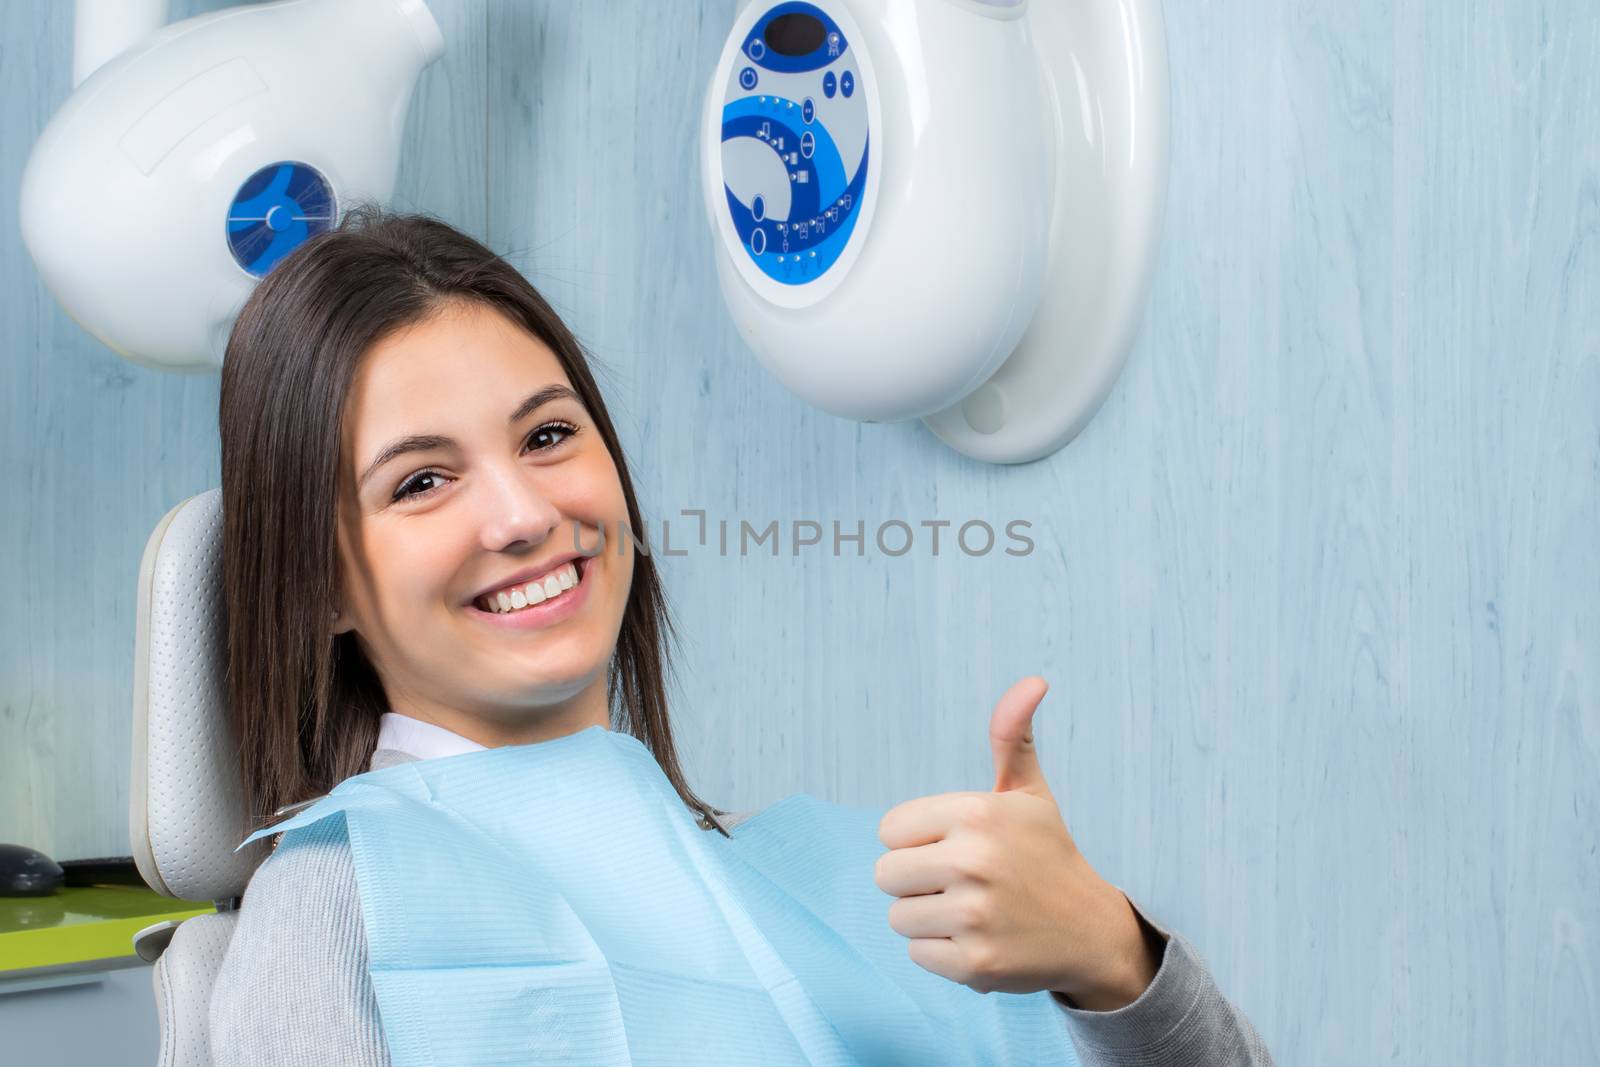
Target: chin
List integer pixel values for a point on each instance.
(553, 665)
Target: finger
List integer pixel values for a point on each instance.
(944, 957)
(907, 872)
(928, 819)
(929, 915)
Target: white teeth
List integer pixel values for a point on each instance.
(534, 592)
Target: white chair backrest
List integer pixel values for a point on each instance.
(186, 806)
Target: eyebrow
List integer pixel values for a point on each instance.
(422, 442)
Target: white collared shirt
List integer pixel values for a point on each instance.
(421, 739)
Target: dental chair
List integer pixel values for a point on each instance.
(185, 804)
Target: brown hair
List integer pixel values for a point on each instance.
(305, 702)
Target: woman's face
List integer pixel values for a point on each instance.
(453, 486)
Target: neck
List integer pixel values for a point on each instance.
(496, 726)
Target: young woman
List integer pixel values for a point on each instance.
(414, 458)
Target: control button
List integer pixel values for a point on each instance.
(847, 83)
(808, 144)
(830, 85)
(758, 241)
(808, 111)
(757, 48)
(747, 77)
(758, 208)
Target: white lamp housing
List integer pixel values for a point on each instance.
(192, 157)
(941, 209)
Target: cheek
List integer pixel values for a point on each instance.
(592, 492)
(596, 501)
(408, 572)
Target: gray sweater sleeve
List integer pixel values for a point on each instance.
(294, 987)
(1181, 1020)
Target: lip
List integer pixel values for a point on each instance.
(523, 577)
(544, 613)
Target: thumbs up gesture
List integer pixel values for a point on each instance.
(994, 894)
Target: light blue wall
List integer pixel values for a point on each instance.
(1318, 592)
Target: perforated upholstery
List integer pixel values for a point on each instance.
(184, 977)
(185, 805)
(186, 810)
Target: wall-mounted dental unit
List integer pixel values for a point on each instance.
(192, 157)
(941, 209)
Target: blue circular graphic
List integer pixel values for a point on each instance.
(847, 83)
(830, 85)
(825, 192)
(808, 111)
(275, 211)
(747, 77)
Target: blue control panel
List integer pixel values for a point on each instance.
(274, 211)
(795, 143)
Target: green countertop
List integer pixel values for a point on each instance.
(79, 925)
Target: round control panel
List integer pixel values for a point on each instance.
(798, 160)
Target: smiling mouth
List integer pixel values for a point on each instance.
(515, 598)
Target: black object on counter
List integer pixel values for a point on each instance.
(27, 872)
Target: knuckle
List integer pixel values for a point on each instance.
(976, 812)
(983, 967)
(978, 863)
(973, 912)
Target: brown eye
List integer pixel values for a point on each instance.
(565, 429)
(417, 479)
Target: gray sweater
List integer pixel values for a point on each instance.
(294, 989)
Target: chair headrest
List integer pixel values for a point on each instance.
(186, 806)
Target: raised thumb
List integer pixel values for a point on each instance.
(1016, 763)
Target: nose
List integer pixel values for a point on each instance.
(515, 513)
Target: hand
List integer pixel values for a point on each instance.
(995, 895)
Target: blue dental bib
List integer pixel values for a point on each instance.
(557, 903)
